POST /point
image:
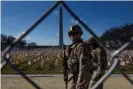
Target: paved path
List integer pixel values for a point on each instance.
(12, 81)
(52, 75)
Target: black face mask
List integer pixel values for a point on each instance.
(94, 45)
(78, 40)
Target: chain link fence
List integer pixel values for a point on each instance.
(6, 56)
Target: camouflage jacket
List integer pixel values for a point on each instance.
(79, 63)
(99, 59)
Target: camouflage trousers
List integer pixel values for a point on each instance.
(96, 75)
(72, 84)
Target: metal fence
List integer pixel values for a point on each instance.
(6, 57)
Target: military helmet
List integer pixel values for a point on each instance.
(91, 40)
(75, 29)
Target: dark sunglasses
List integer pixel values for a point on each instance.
(73, 33)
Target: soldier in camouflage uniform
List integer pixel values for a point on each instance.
(79, 60)
(99, 65)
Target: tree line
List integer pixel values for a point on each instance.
(7, 40)
(115, 37)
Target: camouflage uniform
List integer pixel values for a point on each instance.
(99, 66)
(79, 62)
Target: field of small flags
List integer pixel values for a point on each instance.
(36, 61)
(49, 61)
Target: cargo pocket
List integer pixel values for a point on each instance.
(73, 65)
